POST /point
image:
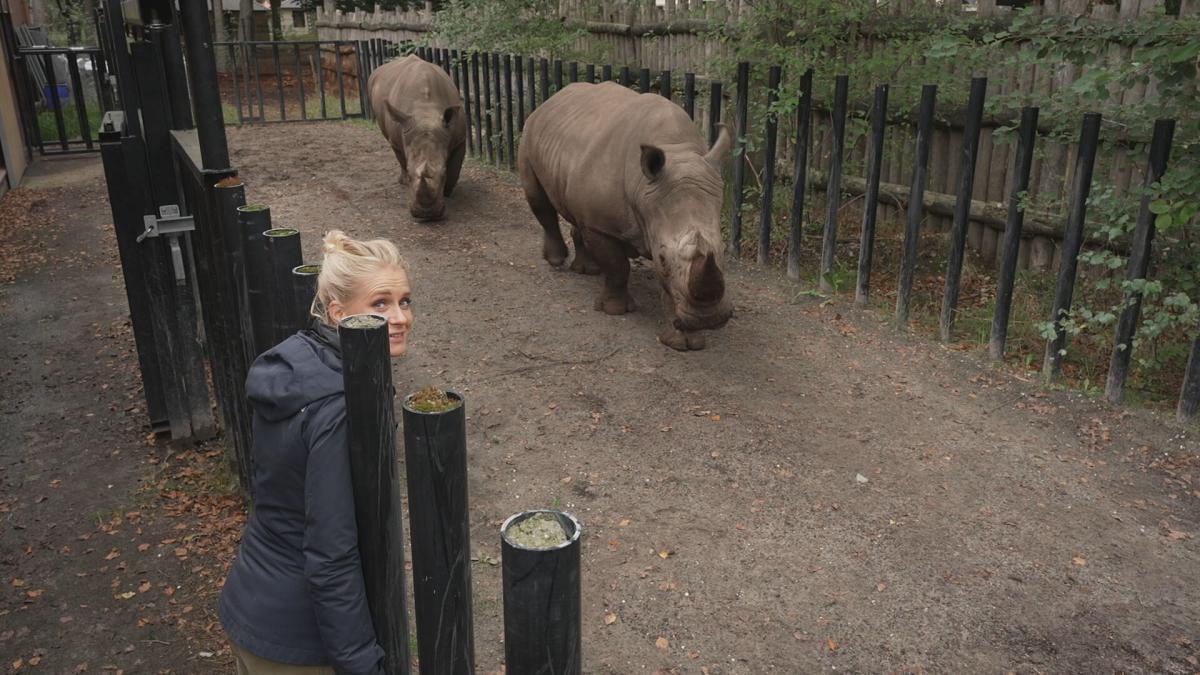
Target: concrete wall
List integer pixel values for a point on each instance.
(12, 140)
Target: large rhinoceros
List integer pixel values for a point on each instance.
(633, 177)
(420, 113)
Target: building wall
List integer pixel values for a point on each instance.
(11, 138)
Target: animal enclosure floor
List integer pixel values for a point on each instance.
(814, 491)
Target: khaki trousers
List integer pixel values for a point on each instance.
(249, 664)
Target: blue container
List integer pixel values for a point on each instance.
(64, 96)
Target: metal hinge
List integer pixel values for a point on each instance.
(170, 225)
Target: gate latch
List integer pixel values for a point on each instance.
(170, 225)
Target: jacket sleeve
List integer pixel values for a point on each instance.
(331, 561)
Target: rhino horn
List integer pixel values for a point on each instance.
(719, 151)
(706, 283)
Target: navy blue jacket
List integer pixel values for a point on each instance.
(295, 593)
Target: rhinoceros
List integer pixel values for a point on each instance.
(420, 113)
(633, 177)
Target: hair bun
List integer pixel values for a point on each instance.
(336, 240)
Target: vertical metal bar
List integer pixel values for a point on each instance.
(337, 50)
(496, 109)
(644, 81)
(508, 111)
(833, 190)
(529, 67)
(689, 94)
(866, 247)
(320, 73)
(360, 71)
(916, 199)
(545, 77)
(606, 72)
(85, 127)
(278, 81)
(573, 72)
(26, 80)
(262, 115)
(56, 101)
(487, 109)
(520, 72)
(1012, 233)
(714, 111)
(168, 43)
(1089, 139)
(453, 62)
(800, 173)
(558, 75)
(300, 81)
(739, 158)
(472, 123)
(237, 85)
(626, 79)
(664, 84)
(589, 74)
(770, 133)
(446, 59)
(1139, 263)
(102, 96)
(435, 460)
(962, 206)
(478, 103)
(371, 446)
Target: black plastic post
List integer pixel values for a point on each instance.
(464, 65)
(533, 100)
(1011, 245)
(489, 140)
(558, 75)
(606, 72)
(544, 75)
(689, 94)
(496, 110)
(714, 111)
(1139, 263)
(626, 78)
(202, 71)
(739, 158)
(304, 290)
(435, 455)
(573, 72)
(644, 81)
(589, 73)
(800, 174)
(371, 445)
(477, 86)
(962, 206)
(1189, 394)
(766, 212)
(254, 220)
(866, 247)
(1089, 140)
(283, 251)
(916, 205)
(542, 610)
(664, 84)
(508, 110)
(519, 69)
(833, 190)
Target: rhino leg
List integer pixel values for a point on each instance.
(453, 168)
(584, 262)
(610, 255)
(554, 249)
(400, 157)
(672, 336)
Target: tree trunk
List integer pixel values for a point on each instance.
(218, 35)
(245, 20)
(276, 22)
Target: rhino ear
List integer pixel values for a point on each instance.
(719, 151)
(448, 116)
(653, 161)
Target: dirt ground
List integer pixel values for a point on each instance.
(815, 491)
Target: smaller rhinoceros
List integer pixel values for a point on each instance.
(420, 113)
(632, 175)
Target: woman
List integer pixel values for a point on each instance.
(294, 600)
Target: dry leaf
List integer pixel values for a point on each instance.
(624, 522)
(112, 554)
(34, 660)
(715, 418)
(693, 655)
(18, 583)
(126, 595)
(1176, 535)
(662, 643)
(610, 619)
(144, 587)
(665, 553)
(143, 547)
(833, 644)
(881, 586)
(34, 594)
(1079, 560)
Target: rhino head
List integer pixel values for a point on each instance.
(680, 209)
(426, 134)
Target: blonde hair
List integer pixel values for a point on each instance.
(347, 264)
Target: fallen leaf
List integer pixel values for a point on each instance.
(624, 522)
(662, 643)
(34, 660)
(881, 586)
(1176, 535)
(143, 547)
(112, 554)
(126, 595)
(1079, 560)
(144, 587)
(610, 619)
(833, 644)
(715, 418)
(665, 553)
(18, 583)
(34, 594)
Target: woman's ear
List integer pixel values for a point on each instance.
(336, 312)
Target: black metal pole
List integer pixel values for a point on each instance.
(626, 78)
(714, 111)
(1011, 246)
(664, 84)
(341, 80)
(770, 132)
(254, 220)
(304, 290)
(371, 445)
(1189, 394)
(689, 94)
(542, 610)
(866, 247)
(299, 66)
(962, 206)
(500, 149)
(435, 456)
(278, 81)
(530, 66)
(739, 158)
(833, 190)
(468, 106)
(489, 140)
(558, 75)
(916, 206)
(544, 75)
(573, 72)
(478, 103)
(283, 251)
(1139, 262)
(206, 92)
(519, 70)
(508, 111)
(1089, 140)
(800, 174)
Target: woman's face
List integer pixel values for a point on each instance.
(386, 293)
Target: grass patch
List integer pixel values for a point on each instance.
(48, 127)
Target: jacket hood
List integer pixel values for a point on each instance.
(304, 368)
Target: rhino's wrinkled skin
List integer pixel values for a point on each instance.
(420, 113)
(633, 177)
